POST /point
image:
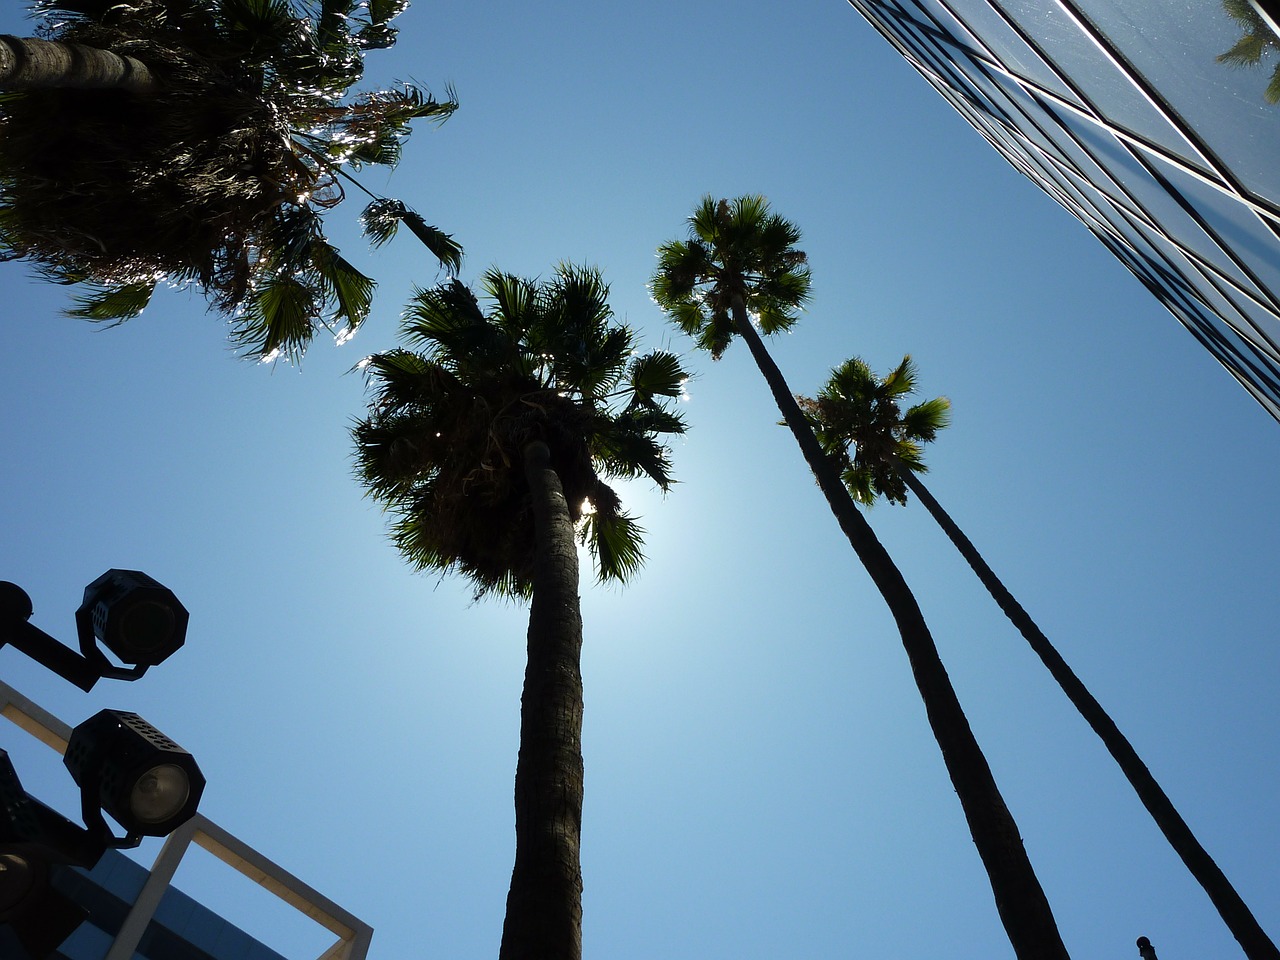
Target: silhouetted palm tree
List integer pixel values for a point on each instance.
(859, 420)
(740, 263)
(199, 141)
(491, 447)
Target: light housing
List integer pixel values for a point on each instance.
(129, 769)
(35, 842)
(135, 617)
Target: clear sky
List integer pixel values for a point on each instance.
(761, 780)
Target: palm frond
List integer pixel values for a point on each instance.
(616, 542)
(448, 322)
(656, 374)
(441, 245)
(113, 303)
(924, 420)
(276, 319)
(381, 219)
(348, 287)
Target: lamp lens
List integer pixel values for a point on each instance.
(147, 626)
(17, 879)
(159, 793)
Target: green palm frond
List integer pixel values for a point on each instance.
(691, 316)
(901, 380)
(1247, 51)
(441, 245)
(349, 289)
(924, 420)
(616, 543)
(276, 319)
(656, 374)
(381, 220)
(628, 450)
(448, 323)
(861, 484)
(113, 303)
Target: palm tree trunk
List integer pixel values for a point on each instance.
(544, 905)
(1024, 909)
(27, 63)
(1239, 919)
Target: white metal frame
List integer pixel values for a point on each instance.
(354, 935)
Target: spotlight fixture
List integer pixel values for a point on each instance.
(132, 771)
(133, 616)
(35, 842)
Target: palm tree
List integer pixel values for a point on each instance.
(491, 447)
(199, 142)
(1258, 42)
(740, 262)
(859, 421)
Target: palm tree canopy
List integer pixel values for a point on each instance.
(737, 250)
(219, 176)
(443, 444)
(858, 419)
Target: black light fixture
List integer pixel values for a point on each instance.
(135, 617)
(123, 766)
(132, 771)
(36, 842)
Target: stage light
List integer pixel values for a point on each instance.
(36, 841)
(135, 617)
(129, 769)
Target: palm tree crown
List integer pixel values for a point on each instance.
(737, 251)
(443, 445)
(218, 175)
(858, 419)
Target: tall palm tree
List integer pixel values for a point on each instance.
(859, 421)
(491, 446)
(740, 262)
(199, 142)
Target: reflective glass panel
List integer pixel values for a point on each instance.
(1236, 223)
(1107, 87)
(1176, 46)
(985, 22)
(1147, 193)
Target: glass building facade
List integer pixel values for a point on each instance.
(180, 929)
(131, 912)
(1155, 122)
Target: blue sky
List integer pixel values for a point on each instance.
(761, 781)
